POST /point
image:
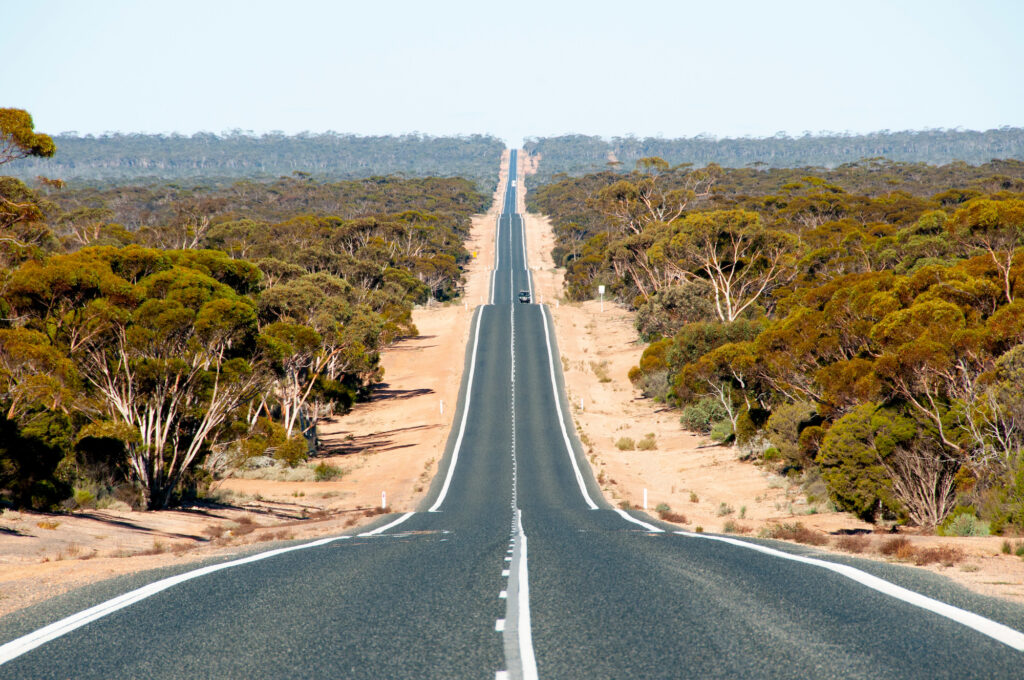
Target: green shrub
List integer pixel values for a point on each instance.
(963, 522)
(662, 507)
(849, 460)
(724, 509)
(702, 416)
(293, 451)
(84, 498)
(325, 473)
(648, 443)
(625, 444)
(721, 432)
(783, 430)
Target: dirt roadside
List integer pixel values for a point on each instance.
(704, 483)
(389, 445)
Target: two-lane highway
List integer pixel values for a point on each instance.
(514, 566)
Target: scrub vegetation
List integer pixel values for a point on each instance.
(141, 158)
(582, 154)
(861, 325)
(153, 336)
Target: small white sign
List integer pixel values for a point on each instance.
(600, 290)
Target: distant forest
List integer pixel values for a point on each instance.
(579, 154)
(116, 158)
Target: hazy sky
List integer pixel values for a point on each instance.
(513, 69)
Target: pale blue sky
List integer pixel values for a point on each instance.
(526, 68)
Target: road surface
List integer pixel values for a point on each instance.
(514, 566)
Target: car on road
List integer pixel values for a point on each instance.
(524, 296)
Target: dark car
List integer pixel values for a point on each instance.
(524, 296)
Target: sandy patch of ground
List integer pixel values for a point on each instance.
(706, 484)
(390, 444)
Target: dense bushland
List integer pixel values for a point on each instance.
(136, 158)
(151, 336)
(863, 324)
(581, 154)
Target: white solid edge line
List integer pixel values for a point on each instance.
(380, 530)
(629, 518)
(26, 643)
(561, 418)
(526, 655)
(465, 417)
(997, 631)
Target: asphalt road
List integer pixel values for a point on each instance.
(514, 567)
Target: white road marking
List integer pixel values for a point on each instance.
(561, 418)
(503, 595)
(997, 631)
(505, 572)
(629, 518)
(499, 625)
(26, 643)
(380, 530)
(465, 418)
(527, 659)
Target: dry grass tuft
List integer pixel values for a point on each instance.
(244, 525)
(856, 543)
(894, 546)
(794, 532)
(944, 555)
(734, 527)
(676, 517)
(214, 531)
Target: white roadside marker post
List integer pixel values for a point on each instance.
(383, 500)
(645, 499)
(600, 290)
(442, 407)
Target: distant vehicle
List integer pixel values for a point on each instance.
(524, 296)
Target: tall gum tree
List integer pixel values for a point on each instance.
(734, 252)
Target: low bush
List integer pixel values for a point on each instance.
(648, 443)
(898, 547)
(703, 415)
(293, 451)
(325, 473)
(625, 444)
(944, 555)
(675, 517)
(84, 498)
(733, 527)
(794, 532)
(856, 543)
(963, 522)
(724, 509)
(721, 431)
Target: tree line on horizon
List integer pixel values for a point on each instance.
(114, 158)
(861, 330)
(582, 154)
(154, 336)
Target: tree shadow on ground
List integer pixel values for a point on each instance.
(343, 444)
(382, 392)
